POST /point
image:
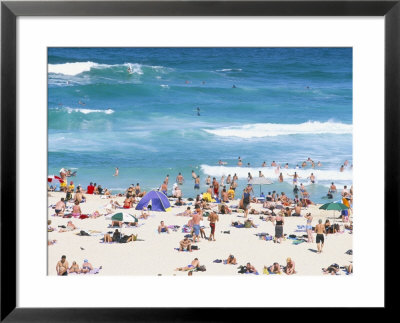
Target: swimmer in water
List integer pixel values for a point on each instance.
(264, 164)
(287, 165)
(342, 168)
(233, 86)
(116, 171)
(198, 111)
(80, 102)
(319, 164)
(295, 178)
(312, 178)
(273, 164)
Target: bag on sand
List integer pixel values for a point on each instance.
(201, 268)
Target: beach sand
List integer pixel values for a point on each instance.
(156, 255)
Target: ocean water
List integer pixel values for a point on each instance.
(288, 104)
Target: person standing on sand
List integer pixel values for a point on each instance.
(309, 218)
(320, 230)
(62, 266)
(246, 201)
(196, 218)
(213, 218)
(116, 171)
(278, 222)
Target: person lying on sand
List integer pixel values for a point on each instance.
(95, 215)
(162, 227)
(74, 268)
(86, 267)
(274, 269)
(187, 212)
(144, 214)
(224, 209)
(116, 223)
(185, 244)
(51, 242)
(118, 237)
(332, 269)
(290, 267)
(70, 227)
(231, 260)
(193, 265)
(250, 269)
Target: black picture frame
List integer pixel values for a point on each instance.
(10, 10)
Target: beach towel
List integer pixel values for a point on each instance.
(94, 271)
(296, 242)
(186, 250)
(218, 261)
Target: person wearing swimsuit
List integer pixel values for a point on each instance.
(320, 230)
(62, 266)
(86, 267)
(309, 227)
(279, 221)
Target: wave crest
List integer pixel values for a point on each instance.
(259, 130)
(87, 111)
(270, 172)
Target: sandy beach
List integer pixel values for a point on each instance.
(155, 255)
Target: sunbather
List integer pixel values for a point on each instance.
(193, 265)
(86, 267)
(144, 214)
(162, 227)
(62, 266)
(332, 269)
(74, 268)
(290, 267)
(250, 269)
(70, 227)
(187, 212)
(185, 244)
(231, 260)
(275, 269)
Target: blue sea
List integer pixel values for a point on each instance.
(262, 104)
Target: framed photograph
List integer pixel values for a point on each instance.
(166, 139)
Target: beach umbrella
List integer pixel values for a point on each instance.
(124, 217)
(260, 181)
(51, 177)
(334, 206)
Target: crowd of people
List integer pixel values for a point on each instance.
(273, 207)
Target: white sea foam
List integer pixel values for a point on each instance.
(164, 85)
(74, 68)
(87, 111)
(230, 70)
(259, 130)
(135, 68)
(270, 172)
